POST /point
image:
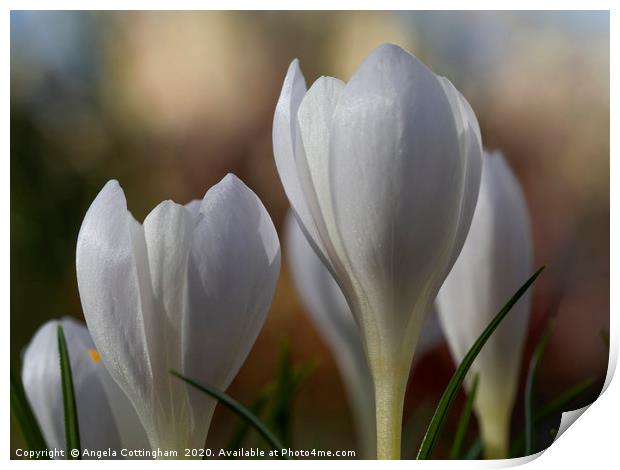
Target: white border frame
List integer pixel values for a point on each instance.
(592, 442)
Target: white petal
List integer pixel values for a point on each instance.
(430, 337)
(41, 377)
(130, 430)
(315, 118)
(312, 151)
(114, 285)
(321, 293)
(396, 176)
(495, 261)
(193, 207)
(168, 232)
(284, 132)
(233, 269)
(470, 144)
(168, 235)
(284, 137)
(464, 116)
(288, 154)
(330, 313)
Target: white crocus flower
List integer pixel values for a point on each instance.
(382, 173)
(332, 316)
(106, 418)
(187, 290)
(495, 261)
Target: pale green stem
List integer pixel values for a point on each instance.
(495, 430)
(390, 386)
(389, 363)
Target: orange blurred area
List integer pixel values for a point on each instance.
(170, 102)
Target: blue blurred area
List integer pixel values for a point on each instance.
(61, 47)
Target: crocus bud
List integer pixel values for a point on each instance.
(382, 173)
(188, 290)
(495, 261)
(332, 316)
(106, 418)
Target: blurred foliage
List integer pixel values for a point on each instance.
(290, 379)
(275, 400)
(71, 424)
(51, 197)
(22, 412)
(455, 451)
(429, 442)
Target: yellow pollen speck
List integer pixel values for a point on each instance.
(94, 356)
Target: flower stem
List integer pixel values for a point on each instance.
(495, 430)
(495, 449)
(390, 388)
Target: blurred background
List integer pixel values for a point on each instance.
(168, 103)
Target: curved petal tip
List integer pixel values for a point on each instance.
(389, 53)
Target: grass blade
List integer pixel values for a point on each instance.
(561, 402)
(432, 433)
(72, 428)
(529, 388)
(238, 408)
(256, 408)
(277, 398)
(557, 405)
(455, 452)
(474, 450)
(290, 378)
(280, 416)
(22, 411)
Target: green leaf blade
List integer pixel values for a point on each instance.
(474, 450)
(237, 408)
(257, 407)
(434, 428)
(560, 403)
(529, 388)
(455, 452)
(22, 411)
(72, 428)
(557, 405)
